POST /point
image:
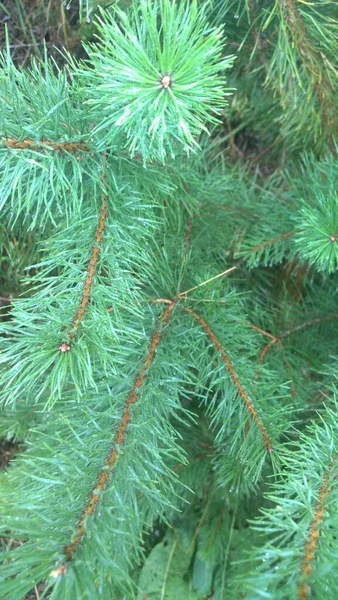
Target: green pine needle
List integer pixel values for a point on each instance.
(154, 78)
(317, 241)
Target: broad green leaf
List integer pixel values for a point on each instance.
(163, 574)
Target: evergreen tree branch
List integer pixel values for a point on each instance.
(274, 240)
(167, 104)
(28, 144)
(294, 558)
(225, 358)
(308, 324)
(294, 329)
(314, 532)
(90, 276)
(313, 64)
(109, 425)
(256, 328)
(259, 247)
(317, 236)
(72, 148)
(226, 272)
(104, 474)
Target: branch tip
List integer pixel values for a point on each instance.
(64, 347)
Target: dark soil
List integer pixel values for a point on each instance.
(8, 449)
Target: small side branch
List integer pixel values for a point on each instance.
(256, 328)
(248, 403)
(76, 322)
(294, 329)
(265, 244)
(28, 144)
(111, 459)
(312, 541)
(34, 145)
(309, 324)
(227, 272)
(316, 71)
(91, 269)
(278, 238)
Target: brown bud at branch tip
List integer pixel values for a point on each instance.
(166, 81)
(64, 347)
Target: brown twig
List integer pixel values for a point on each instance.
(255, 327)
(249, 405)
(309, 324)
(266, 348)
(312, 541)
(227, 272)
(278, 338)
(43, 144)
(284, 236)
(111, 459)
(29, 144)
(279, 238)
(76, 322)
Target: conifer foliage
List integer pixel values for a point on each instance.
(168, 366)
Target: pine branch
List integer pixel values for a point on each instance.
(72, 458)
(292, 330)
(257, 248)
(76, 322)
(273, 241)
(63, 284)
(267, 252)
(104, 475)
(315, 69)
(317, 238)
(296, 540)
(43, 144)
(132, 415)
(304, 589)
(225, 358)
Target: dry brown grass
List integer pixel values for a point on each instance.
(31, 24)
